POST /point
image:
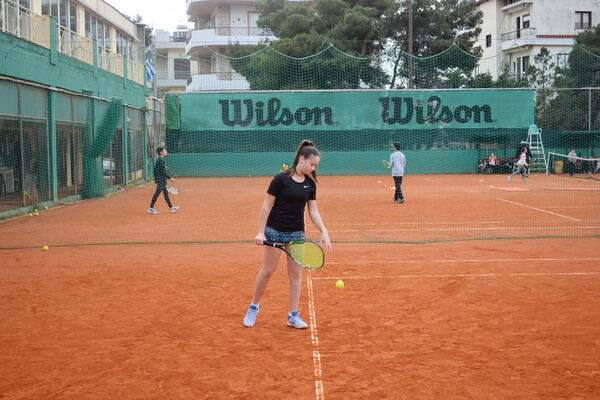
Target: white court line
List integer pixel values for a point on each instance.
(487, 260)
(320, 393)
(459, 275)
(538, 209)
(529, 228)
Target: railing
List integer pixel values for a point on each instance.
(234, 31)
(220, 76)
(71, 44)
(525, 33)
(25, 24)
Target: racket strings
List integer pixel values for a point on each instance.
(307, 253)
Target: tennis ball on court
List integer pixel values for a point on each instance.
(384, 186)
(45, 248)
(30, 214)
(45, 207)
(339, 284)
(378, 181)
(37, 213)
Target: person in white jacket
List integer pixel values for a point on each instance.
(397, 163)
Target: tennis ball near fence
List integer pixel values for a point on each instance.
(37, 213)
(30, 214)
(339, 284)
(45, 248)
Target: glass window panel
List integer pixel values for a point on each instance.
(33, 101)
(88, 25)
(63, 107)
(45, 7)
(73, 17)
(107, 35)
(63, 13)
(54, 8)
(80, 109)
(94, 28)
(9, 91)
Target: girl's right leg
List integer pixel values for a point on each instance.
(270, 260)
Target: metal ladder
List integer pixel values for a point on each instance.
(538, 157)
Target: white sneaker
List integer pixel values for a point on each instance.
(151, 210)
(174, 208)
(250, 317)
(294, 320)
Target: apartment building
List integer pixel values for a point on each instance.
(173, 68)
(518, 29)
(216, 24)
(79, 23)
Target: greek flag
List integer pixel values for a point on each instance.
(150, 71)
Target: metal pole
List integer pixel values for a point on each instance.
(410, 45)
(589, 109)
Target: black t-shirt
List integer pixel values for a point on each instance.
(287, 213)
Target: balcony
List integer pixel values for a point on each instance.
(529, 37)
(204, 39)
(172, 78)
(23, 23)
(217, 81)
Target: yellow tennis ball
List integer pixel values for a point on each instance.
(339, 284)
(45, 248)
(30, 214)
(37, 213)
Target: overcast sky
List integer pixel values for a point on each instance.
(156, 13)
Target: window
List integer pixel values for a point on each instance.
(518, 27)
(181, 68)
(64, 11)
(562, 60)
(525, 63)
(526, 19)
(96, 29)
(583, 19)
(488, 40)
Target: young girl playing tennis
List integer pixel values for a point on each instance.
(281, 220)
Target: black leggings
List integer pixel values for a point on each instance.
(398, 193)
(160, 188)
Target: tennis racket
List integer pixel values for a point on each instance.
(172, 190)
(305, 252)
(385, 163)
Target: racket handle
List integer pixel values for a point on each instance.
(269, 243)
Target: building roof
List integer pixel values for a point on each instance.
(481, 2)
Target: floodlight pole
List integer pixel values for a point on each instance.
(410, 46)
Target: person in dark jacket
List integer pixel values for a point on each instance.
(161, 174)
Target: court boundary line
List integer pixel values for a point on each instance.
(465, 260)
(319, 390)
(489, 275)
(538, 209)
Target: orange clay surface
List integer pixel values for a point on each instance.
(129, 305)
(503, 319)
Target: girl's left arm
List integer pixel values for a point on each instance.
(315, 217)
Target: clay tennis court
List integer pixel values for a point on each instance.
(130, 305)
